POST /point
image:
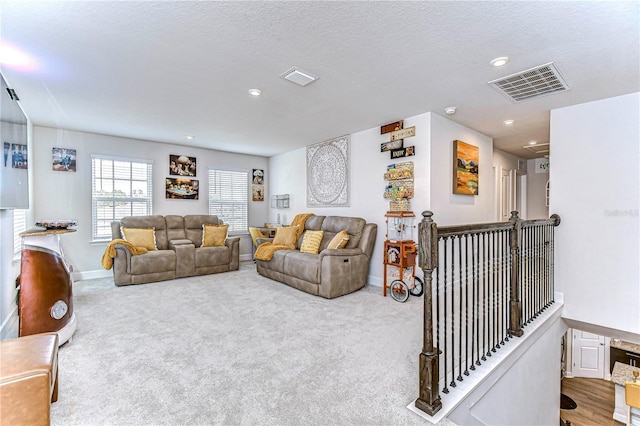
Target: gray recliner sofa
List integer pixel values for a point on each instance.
(331, 272)
(179, 254)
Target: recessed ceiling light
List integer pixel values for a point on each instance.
(498, 62)
(508, 122)
(189, 137)
(255, 92)
(533, 142)
(450, 110)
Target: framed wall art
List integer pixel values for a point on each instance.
(328, 175)
(63, 159)
(258, 177)
(465, 168)
(257, 193)
(182, 188)
(19, 158)
(182, 165)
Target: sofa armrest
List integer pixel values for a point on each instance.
(124, 254)
(340, 252)
(234, 246)
(182, 242)
(263, 240)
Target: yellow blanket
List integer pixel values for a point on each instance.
(265, 250)
(110, 252)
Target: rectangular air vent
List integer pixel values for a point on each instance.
(299, 77)
(532, 83)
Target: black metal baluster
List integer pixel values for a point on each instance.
(474, 305)
(487, 295)
(495, 283)
(466, 305)
(453, 314)
(498, 307)
(444, 326)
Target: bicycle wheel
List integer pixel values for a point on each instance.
(418, 286)
(399, 291)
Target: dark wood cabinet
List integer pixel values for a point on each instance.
(623, 356)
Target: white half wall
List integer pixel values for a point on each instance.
(67, 195)
(595, 159)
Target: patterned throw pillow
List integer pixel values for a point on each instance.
(214, 235)
(140, 237)
(286, 236)
(339, 241)
(311, 242)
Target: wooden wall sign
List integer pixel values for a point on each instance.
(388, 146)
(403, 133)
(391, 127)
(403, 152)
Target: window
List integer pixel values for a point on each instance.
(229, 198)
(19, 226)
(121, 187)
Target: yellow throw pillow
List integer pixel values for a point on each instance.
(214, 235)
(286, 236)
(339, 241)
(140, 237)
(311, 242)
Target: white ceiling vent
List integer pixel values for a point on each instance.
(532, 83)
(299, 77)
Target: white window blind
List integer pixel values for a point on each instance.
(229, 198)
(19, 226)
(121, 187)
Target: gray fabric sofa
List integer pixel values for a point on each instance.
(179, 254)
(331, 272)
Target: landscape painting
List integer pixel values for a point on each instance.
(465, 168)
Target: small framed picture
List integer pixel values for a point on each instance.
(182, 188)
(258, 177)
(257, 192)
(182, 165)
(63, 159)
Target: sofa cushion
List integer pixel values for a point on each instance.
(311, 241)
(212, 256)
(339, 241)
(175, 227)
(193, 226)
(286, 236)
(153, 262)
(334, 224)
(154, 221)
(304, 266)
(214, 235)
(140, 237)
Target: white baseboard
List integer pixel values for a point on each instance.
(246, 257)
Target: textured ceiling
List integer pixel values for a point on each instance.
(162, 70)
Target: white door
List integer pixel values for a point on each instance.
(588, 355)
(506, 193)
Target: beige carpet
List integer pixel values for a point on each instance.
(237, 348)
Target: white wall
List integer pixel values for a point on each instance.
(536, 192)
(595, 189)
(67, 195)
(432, 181)
(450, 208)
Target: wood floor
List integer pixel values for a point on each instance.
(595, 399)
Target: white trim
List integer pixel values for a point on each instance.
(127, 159)
(89, 275)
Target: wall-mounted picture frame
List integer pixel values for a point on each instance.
(465, 168)
(19, 157)
(258, 177)
(257, 192)
(388, 146)
(182, 188)
(182, 165)
(63, 159)
(7, 149)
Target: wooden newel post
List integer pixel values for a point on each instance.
(515, 305)
(429, 400)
